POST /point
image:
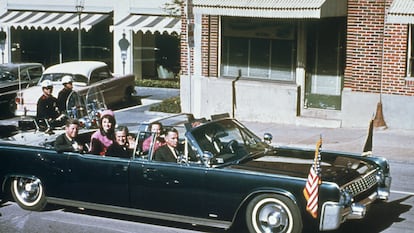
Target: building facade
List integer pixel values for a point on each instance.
(48, 32)
(331, 63)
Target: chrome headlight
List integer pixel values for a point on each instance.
(380, 177)
(345, 198)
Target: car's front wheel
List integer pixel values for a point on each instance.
(273, 213)
(28, 193)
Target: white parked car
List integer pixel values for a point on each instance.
(85, 75)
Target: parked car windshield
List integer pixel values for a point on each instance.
(7, 74)
(227, 141)
(57, 77)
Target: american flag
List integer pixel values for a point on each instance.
(311, 190)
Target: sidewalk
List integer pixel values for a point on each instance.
(395, 145)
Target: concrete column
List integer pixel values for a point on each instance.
(301, 65)
(196, 78)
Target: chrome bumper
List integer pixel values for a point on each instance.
(334, 213)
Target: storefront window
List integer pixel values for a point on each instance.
(410, 59)
(261, 49)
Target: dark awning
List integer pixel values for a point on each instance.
(293, 9)
(50, 20)
(401, 11)
(150, 23)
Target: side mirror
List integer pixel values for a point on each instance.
(267, 138)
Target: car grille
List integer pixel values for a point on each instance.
(361, 184)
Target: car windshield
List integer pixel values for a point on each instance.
(7, 74)
(227, 141)
(57, 77)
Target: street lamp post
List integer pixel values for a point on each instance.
(3, 37)
(79, 5)
(123, 45)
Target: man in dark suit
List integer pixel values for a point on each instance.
(168, 152)
(67, 141)
(210, 142)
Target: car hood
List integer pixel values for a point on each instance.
(334, 168)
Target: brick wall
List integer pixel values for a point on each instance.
(210, 45)
(395, 57)
(367, 37)
(184, 45)
(364, 45)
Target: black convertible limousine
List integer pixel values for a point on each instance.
(248, 180)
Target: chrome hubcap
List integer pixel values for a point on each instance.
(273, 218)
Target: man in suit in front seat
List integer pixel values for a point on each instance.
(168, 152)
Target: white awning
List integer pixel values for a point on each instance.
(289, 9)
(49, 20)
(150, 23)
(401, 11)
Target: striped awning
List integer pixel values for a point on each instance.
(150, 23)
(49, 20)
(401, 11)
(289, 9)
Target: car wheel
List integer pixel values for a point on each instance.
(28, 193)
(273, 213)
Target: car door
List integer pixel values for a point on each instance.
(173, 188)
(98, 179)
(168, 187)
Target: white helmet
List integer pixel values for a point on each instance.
(46, 83)
(67, 79)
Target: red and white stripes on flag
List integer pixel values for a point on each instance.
(311, 190)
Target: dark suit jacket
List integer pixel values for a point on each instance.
(164, 154)
(117, 150)
(207, 145)
(63, 144)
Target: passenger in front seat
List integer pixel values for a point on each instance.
(168, 152)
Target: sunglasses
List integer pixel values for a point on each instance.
(49, 88)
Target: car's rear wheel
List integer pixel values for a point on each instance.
(28, 193)
(273, 213)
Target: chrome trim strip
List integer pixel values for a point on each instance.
(141, 213)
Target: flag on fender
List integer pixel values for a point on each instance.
(311, 190)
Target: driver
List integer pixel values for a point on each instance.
(210, 142)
